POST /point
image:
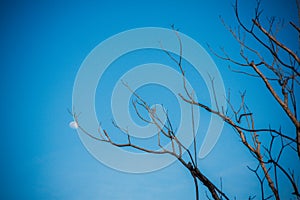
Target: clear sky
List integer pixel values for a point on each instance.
(43, 44)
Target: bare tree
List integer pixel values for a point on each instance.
(279, 73)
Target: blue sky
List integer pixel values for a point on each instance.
(43, 44)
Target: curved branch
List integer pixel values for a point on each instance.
(277, 42)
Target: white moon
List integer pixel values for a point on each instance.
(73, 125)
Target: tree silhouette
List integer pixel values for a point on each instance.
(277, 67)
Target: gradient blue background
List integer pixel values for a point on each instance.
(42, 45)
